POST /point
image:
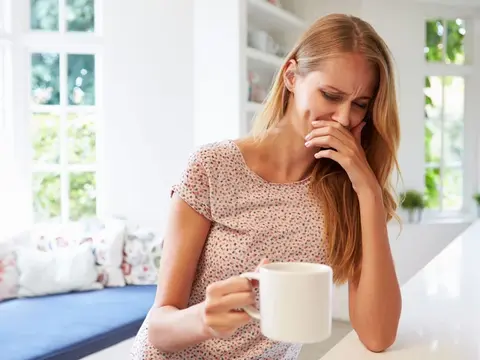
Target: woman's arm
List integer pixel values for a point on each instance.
(173, 326)
(374, 296)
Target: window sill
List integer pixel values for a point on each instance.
(433, 218)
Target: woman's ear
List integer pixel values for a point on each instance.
(289, 75)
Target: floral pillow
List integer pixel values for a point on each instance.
(107, 241)
(9, 278)
(51, 236)
(141, 257)
(108, 246)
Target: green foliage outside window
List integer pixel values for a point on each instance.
(435, 52)
(79, 129)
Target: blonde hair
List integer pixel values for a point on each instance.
(328, 37)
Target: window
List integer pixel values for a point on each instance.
(64, 110)
(445, 41)
(444, 114)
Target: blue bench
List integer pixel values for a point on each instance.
(71, 326)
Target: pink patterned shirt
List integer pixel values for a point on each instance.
(251, 219)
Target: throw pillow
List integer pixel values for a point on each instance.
(141, 260)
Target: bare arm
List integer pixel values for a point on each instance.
(374, 297)
(173, 326)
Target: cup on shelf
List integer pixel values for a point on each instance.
(261, 40)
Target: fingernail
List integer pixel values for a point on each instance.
(307, 144)
(308, 136)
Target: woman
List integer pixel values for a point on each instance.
(311, 184)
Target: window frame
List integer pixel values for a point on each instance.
(61, 42)
(466, 71)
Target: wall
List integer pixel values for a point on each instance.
(219, 66)
(148, 90)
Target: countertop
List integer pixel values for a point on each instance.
(441, 309)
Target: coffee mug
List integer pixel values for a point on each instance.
(295, 301)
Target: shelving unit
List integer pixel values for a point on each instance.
(273, 17)
(262, 60)
(227, 57)
(283, 28)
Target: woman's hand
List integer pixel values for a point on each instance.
(220, 314)
(348, 151)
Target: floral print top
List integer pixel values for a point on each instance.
(252, 219)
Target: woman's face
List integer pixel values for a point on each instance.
(340, 91)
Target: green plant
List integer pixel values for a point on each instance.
(476, 197)
(412, 200)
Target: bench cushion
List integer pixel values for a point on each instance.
(73, 325)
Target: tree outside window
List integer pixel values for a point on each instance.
(444, 115)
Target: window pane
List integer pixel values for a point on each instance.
(433, 91)
(455, 41)
(44, 15)
(433, 141)
(432, 186)
(454, 106)
(46, 196)
(81, 139)
(45, 138)
(45, 79)
(434, 43)
(81, 79)
(433, 113)
(83, 202)
(452, 189)
(454, 101)
(453, 143)
(80, 15)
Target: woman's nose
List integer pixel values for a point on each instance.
(342, 114)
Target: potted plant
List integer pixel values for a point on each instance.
(413, 202)
(476, 197)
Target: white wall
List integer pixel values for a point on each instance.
(219, 69)
(148, 87)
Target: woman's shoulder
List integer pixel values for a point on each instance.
(216, 156)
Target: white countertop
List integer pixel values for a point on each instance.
(441, 309)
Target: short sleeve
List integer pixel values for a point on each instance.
(194, 186)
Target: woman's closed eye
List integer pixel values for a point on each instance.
(331, 97)
(339, 98)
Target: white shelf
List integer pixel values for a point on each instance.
(260, 59)
(253, 107)
(272, 17)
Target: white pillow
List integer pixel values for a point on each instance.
(54, 272)
(108, 246)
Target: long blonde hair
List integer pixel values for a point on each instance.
(329, 37)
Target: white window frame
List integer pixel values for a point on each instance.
(465, 71)
(9, 191)
(26, 42)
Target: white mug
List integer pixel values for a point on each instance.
(295, 301)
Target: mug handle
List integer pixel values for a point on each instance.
(249, 309)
